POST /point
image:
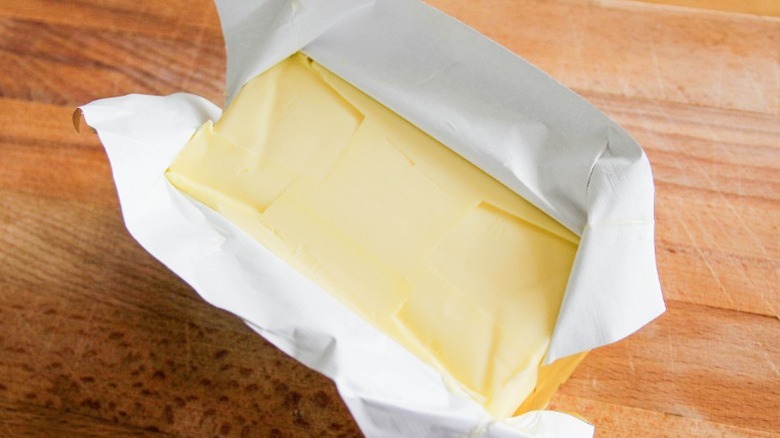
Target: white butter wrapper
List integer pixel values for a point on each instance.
(490, 106)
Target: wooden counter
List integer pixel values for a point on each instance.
(98, 338)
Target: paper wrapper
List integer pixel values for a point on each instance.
(488, 105)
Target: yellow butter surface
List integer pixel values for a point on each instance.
(444, 259)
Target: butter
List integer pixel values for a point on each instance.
(441, 257)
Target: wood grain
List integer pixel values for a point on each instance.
(100, 329)
(769, 8)
(25, 419)
(695, 361)
(621, 421)
(98, 339)
(173, 19)
(71, 65)
(634, 50)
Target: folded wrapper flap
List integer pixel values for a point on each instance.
(488, 105)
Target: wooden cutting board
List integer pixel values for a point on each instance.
(97, 338)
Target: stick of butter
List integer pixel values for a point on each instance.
(434, 252)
